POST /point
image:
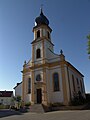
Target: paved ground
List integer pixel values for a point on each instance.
(59, 115)
(6, 112)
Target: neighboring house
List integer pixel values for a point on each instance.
(6, 97)
(18, 93)
(48, 78)
(18, 89)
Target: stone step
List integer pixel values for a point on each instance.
(38, 108)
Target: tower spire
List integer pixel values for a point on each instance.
(42, 19)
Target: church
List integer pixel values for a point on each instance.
(48, 77)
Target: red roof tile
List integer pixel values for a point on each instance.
(6, 93)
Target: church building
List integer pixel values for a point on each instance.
(48, 78)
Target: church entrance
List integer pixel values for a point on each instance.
(39, 96)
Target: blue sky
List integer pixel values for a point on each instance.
(70, 21)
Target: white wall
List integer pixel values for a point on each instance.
(67, 82)
(6, 100)
(55, 96)
(49, 52)
(77, 87)
(27, 97)
(38, 71)
(38, 46)
(18, 90)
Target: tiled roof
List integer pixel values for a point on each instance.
(17, 85)
(6, 93)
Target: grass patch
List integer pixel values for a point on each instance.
(4, 106)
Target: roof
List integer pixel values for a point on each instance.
(6, 93)
(17, 85)
(42, 19)
(69, 64)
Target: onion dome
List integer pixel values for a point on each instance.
(42, 19)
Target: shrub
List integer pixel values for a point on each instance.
(57, 104)
(78, 99)
(4, 106)
(27, 104)
(1, 106)
(88, 97)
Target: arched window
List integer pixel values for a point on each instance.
(73, 83)
(56, 82)
(77, 81)
(81, 85)
(48, 34)
(38, 33)
(29, 85)
(38, 53)
(38, 77)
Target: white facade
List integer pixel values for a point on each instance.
(18, 89)
(6, 100)
(6, 97)
(52, 78)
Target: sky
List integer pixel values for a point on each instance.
(70, 22)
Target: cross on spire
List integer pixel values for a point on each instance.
(41, 8)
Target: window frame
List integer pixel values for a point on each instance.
(55, 89)
(38, 34)
(73, 83)
(38, 53)
(77, 81)
(29, 86)
(48, 34)
(38, 78)
(81, 86)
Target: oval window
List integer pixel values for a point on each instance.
(38, 77)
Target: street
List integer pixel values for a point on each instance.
(56, 115)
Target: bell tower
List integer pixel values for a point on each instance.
(41, 45)
(42, 39)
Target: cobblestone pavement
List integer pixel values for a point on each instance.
(57, 115)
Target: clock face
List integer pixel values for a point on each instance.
(38, 77)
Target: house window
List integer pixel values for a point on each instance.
(73, 83)
(38, 77)
(56, 82)
(38, 33)
(38, 53)
(48, 34)
(29, 85)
